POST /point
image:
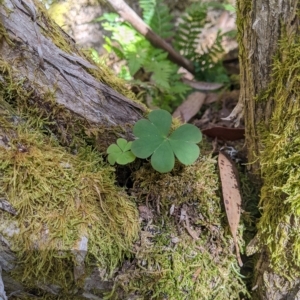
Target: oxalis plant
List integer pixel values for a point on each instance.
(153, 139)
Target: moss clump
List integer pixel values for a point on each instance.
(170, 263)
(280, 197)
(61, 198)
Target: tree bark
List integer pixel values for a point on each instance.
(268, 42)
(33, 48)
(260, 28)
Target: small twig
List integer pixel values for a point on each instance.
(190, 231)
(196, 274)
(237, 114)
(130, 16)
(6, 206)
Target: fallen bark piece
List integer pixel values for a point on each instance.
(232, 197)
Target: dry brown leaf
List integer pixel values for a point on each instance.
(190, 107)
(211, 98)
(196, 274)
(224, 133)
(232, 197)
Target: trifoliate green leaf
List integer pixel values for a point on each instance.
(188, 133)
(120, 153)
(127, 147)
(162, 159)
(125, 158)
(145, 128)
(112, 157)
(145, 146)
(162, 120)
(186, 152)
(152, 139)
(122, 143)
(113, 149)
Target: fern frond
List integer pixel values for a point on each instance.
(165, 86)
(161, 23)
(189, 30)
(207, 64)
(160, 66)
(137, 55)
(148, 8)
(157, 15)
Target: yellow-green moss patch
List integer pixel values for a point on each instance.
(170, 263)
(280, 160)
(60, 198)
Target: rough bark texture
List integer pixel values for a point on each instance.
(260, 31)
(64, 74)
(268, 91)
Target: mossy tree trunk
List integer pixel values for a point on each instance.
(268, 33)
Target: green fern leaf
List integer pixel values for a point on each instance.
(189, 29)
(137, 56)
(156, 14)
(160, 66)
(161, 23)
(207, 65)
(148, 7)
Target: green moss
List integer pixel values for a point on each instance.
(60, 198)
(57, 11)
(169, 263)
(243, 11)
(280, 197)
(3, 32)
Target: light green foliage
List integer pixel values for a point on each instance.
(120, 153)
(154, 140)
(164, 86)
(208, 67)
(148, 7)
(157, 16)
